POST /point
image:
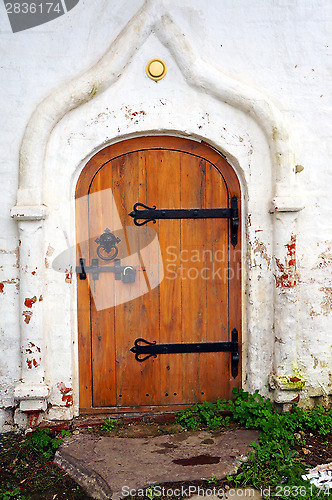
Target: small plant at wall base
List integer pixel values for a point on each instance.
(273, 462)
(204, 414)
(43, 443)
(109, 425)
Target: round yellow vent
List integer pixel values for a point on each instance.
(156, 69)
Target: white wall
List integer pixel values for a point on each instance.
(282, 48)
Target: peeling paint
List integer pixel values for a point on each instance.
(13, 281)
(276, 339)
(313, 313)
(29, 302)
(69, 276)
(50, 251)
(326, 304)
(134, 116)
(325, 259)
(33, 419)
(27, 316)
(66, 397)
(33, 363)
(260, 248)
(288, 276)
(62, 388)
(32, 348)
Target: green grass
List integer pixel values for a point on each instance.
(272, 462)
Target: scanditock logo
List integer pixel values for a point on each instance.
(26, 14)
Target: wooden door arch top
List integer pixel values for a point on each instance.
(169, 172)
(121, 148)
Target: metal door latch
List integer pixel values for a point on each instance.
(125, 273)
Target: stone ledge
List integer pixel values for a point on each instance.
(29, 212)
(33, 405)
(287, 204)
(26, 391)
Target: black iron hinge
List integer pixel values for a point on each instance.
(144, 347)
(147, 214)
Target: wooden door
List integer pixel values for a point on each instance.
(187, 286)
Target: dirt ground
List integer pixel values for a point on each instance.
(317, 450)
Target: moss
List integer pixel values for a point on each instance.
(93, 91)
(294, 382)
(275, 134)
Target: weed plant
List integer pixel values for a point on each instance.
(109, 424)
(44, 443)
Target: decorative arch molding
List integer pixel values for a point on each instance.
(31, 209)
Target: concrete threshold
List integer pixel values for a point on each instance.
(114, 467)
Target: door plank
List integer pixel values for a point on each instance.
(193, 287)
(125, 186)
(149, 303)
(171, 367)
(215, 365)
(101, 216)
(84, 298)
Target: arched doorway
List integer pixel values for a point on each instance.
(159, 308)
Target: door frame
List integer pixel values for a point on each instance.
(233, 186)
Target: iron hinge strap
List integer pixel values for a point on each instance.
(142, 214)
(142, 346)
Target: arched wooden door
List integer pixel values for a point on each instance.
(177, 282)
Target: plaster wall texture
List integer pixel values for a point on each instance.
(280, 48)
